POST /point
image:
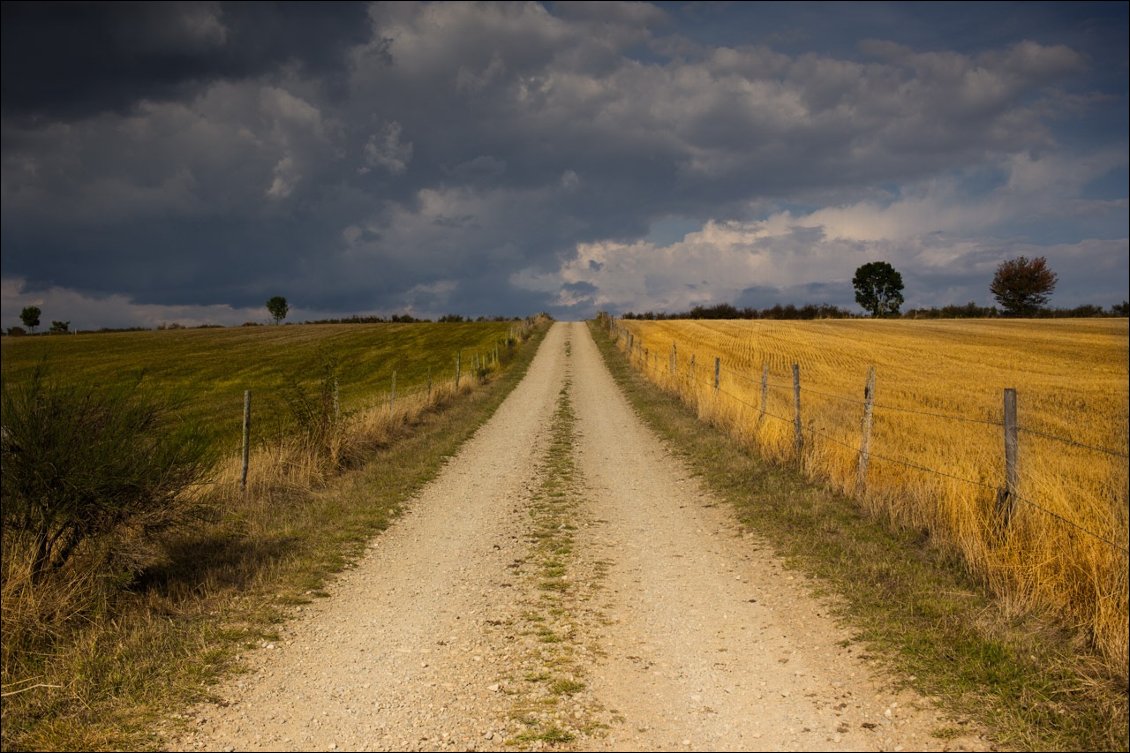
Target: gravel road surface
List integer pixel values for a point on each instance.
(566, 583)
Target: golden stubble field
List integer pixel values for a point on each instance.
(936, 459)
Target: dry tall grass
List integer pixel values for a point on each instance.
(936, 459)
(300, 462)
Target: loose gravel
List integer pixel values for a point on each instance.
(566, 583)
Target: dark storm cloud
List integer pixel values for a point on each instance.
(505, 158)
(71, 60)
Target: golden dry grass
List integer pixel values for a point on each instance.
(937, 456)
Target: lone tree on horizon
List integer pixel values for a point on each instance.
(1023, 286)
(30, 317)
(878, 288)
(278, 308)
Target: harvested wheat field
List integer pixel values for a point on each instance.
(935, 459)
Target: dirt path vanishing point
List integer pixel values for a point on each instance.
(566, 583)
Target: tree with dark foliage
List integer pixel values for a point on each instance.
(278, 308)
(1023, 286)
(878, 288)
(30, 317)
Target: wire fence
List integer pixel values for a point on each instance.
(322, 413)
(951, 417)
(715, 385)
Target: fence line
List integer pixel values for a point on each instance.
(1013, 496)
(949, 417)
(900, 409)
(491, 360)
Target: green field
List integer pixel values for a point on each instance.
(207, 370)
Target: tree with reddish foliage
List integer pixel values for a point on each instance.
(1023, 286)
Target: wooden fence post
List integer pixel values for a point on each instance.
(717, 373)
(458, 367)
(674, 359)
(1006, 497)
(764, 390)
(392, 393)
(246, 437)
(798, 438)
(865, 440)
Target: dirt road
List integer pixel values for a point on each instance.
(566, 583)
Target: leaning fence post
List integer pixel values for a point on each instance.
(865, 440)
(458, 367)
(246, 437)
(798, 439)
(717, 373)
(1006, 497)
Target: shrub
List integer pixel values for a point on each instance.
(80, 465)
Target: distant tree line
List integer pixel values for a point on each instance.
(825, 311)
(61, 327)
(973, 311)
(409, 319)
(727, 311)
(1022, 287)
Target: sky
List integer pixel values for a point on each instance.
(184, 162)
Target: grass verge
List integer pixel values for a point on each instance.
(1024, 679)
(110, 682)
(549, 704)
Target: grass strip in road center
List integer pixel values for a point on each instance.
(550, 702)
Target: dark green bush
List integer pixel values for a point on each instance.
(82, 464)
